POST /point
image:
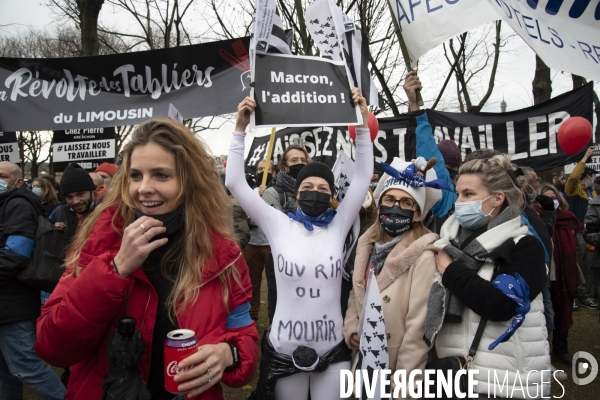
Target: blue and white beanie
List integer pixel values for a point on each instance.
(426, 197)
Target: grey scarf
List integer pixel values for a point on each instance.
(380, 252)
(442, 305)
(285, 181)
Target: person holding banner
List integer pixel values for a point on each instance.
(160, 249)
(484, 239)
(303, 350)
(398, 247)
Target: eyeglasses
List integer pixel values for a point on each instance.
(405, 203)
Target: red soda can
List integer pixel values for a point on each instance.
(179, 344)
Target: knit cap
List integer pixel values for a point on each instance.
(426, 197)
(76, 179)
(317, 169)
(109, 168)
(450, 152)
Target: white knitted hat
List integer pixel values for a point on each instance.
(425, 197)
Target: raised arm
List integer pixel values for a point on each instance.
(363, 169)
(426, 146)
(249, 200)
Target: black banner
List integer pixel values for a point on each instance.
(301, 91)
(529, 135)
(123, 89)
(9, 147)
(88, 147)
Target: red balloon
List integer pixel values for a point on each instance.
(574, 135)
(225, 164)
(373, 127)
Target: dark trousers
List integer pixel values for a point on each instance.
(585, 291)
(258, 259)
(560, 344)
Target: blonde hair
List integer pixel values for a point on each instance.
(48, 193)
(494, 175)
(206, 207)
(562, 203)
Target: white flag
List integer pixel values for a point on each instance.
(565, 34)
(343, 173)
(174, 114)
(373, 340)
(427, 24)
(338, 38)
(268, 35)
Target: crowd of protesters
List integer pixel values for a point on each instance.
(464, 251)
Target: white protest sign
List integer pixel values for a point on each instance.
(565, 34)
(9, 147)
(83, 150)
(426, 24)
(174, 114)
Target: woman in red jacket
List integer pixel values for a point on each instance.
(162, 239)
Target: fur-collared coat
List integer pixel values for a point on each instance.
(404, 283)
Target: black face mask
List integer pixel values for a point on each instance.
(173, 221)
(295, 169)
(395, 221)
(259, 179)
(453, 174)
(314, 203)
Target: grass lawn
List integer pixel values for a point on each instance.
(583, 336)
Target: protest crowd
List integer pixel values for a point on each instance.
(144, 276)
(456, 247)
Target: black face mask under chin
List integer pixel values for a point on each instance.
(173, 221)
(314, 203)
(395, 221)
(295, 169)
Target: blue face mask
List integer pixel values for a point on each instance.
(37, 191)
(469, 214)
(4, 187)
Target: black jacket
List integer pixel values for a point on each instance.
(591, 234)
(18, 301)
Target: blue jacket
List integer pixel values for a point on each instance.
(427, 148)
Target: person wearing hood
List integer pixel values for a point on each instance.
(161, 249)
(399, 249)
(491, 274)
(305, 337)
(19, 303)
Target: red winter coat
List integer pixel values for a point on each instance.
(83, 311)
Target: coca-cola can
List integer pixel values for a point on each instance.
(179, 344)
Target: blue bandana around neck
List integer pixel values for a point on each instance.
(320, 221)
(517, 289)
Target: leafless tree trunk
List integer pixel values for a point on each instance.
(467, 61)
(579, 81)
(32, 145)
(89, 10)
(542, 82)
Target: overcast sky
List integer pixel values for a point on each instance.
(513, 80)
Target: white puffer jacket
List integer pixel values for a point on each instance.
(516, 368)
